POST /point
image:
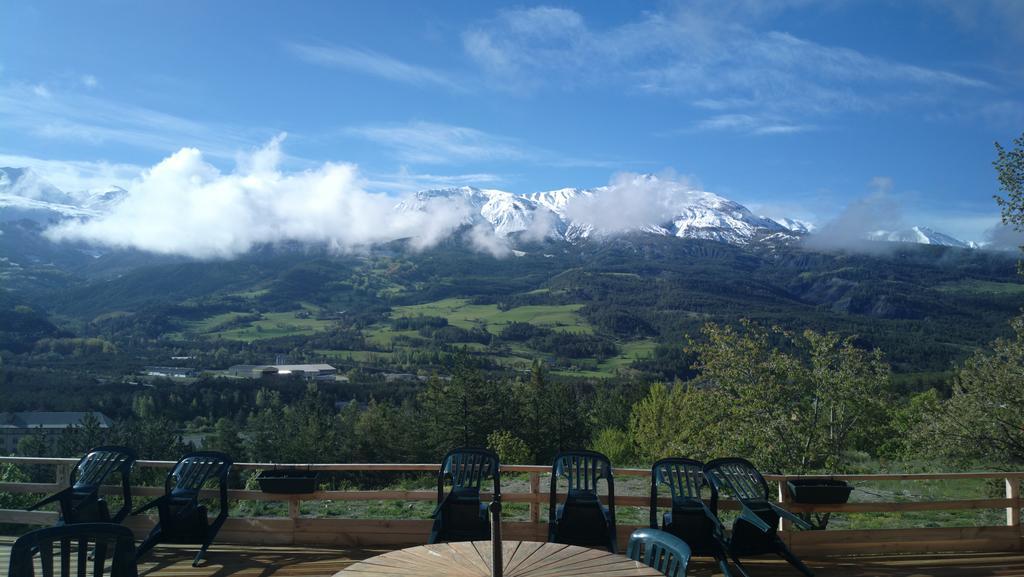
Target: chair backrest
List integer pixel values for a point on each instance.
(468, 468)
(660, 550)
(193, 471)
(684, 479)
(99, 463)
(101, 541)
(738, 477)
(582, 470)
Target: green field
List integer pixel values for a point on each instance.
(628, 352)
(488, 317)
(270, 325)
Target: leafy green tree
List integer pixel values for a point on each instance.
(617, 445)
(790, 403)
(11, 474)
(77, 439)
(910, 434)
(1009, 165)
(464, 410)
(984, 419)
(384, 433)
(682, 420)
(511, 449)
(226, 438)
(553, 416)
(307, 431)
(153, 438)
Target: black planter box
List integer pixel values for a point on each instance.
(287, 481)
(819, 491)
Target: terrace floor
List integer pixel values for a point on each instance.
(251, 561)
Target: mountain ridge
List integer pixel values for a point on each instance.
(634, 203)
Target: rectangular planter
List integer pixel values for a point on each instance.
(819, 491)
(287, 481)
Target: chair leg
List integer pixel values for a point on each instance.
(795, 561)
(739, 566)
(149, 543)
(199, 555)
(723, 564)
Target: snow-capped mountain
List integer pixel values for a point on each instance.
(505, 212)
(638, 203)
(573, 214)
(920, 235)
(26, 195)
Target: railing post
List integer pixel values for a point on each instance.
(534, 494)
(1013, 493)
(61, 474)
(784, 500)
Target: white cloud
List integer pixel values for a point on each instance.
(184, 205)
(84, 118)
(482, 238)
(707, 55)
(90, 81)
(879, 210)
(368, 62)
(751, 124)
(434, 143)
(631, 201)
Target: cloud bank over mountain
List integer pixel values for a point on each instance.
(185, 205)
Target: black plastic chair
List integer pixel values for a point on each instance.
(182, 518)
(80, 502)
(660, 550)
(459, 515)
(754, 532)
(690, 519)
(94, 543)
(581, 519)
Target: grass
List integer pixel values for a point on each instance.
(628, 352)
(489, 317)
(270, 325)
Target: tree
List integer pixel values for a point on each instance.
(77, 439)
(1009, 165)
(226, 438)
(681, 420)
(461, 412)
(984, 419)
(553, 418)
(792, 403)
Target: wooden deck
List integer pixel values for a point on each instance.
(250, 561)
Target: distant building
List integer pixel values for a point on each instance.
(174, 372)
(316, 372)
(15, 426)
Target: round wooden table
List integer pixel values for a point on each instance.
(522, 559)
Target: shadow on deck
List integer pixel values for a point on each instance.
(250, 561)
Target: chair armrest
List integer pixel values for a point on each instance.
(54, 497)
(750, 517)
(799, 522)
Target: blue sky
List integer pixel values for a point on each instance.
(795, 108)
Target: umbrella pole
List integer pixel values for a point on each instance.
(497, 563)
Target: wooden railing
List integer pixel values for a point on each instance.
(304, 530)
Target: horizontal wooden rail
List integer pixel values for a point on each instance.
(297, 529)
